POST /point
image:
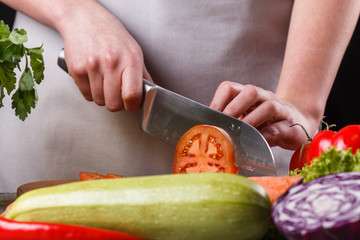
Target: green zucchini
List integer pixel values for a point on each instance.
(177, 206)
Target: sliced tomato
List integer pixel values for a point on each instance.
(204, 148)
(111, 175)
(90, 176)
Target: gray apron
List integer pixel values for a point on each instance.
(189, 47)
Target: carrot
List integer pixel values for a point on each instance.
(111, 175)
(275, 186)
(90, 176)
(94, 176)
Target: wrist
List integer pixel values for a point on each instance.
(66, 11)
(308, 115)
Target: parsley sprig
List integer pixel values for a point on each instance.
(12, 51)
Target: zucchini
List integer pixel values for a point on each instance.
(177, 206)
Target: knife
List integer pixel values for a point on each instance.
(167, 116)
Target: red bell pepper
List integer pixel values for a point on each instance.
(14, 230)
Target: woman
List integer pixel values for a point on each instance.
(189, 47)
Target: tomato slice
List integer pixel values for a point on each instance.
(204, 148)
(90, 176)
(111, 175)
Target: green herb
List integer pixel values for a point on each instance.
(332, 161)
(12, 51)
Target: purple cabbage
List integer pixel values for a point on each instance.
(325, 208)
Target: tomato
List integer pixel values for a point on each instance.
(347, 137)
(90, 176)
(204, 148)
(111, 175)
(298, 163)
(320, 142)
(93, 176)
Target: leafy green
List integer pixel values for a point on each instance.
(26, 82)
(4, 31)
(332, 161)
(7, 76)
(18, 36)
(23, 102)
(12, 51)
(37, 63)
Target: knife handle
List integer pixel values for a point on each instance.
(62, 64)
(61, 61)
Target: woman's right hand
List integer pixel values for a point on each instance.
(104, 60)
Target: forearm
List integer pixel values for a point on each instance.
(51, 13)
(105, 61)
(318, 36)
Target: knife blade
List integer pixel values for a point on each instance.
(167, 116)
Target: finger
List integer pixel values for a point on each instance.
(267, 112)
(83, 84)
(224, 94)
(96, 82)
(112, 83)
(79, 74)
(272, 133)
(244, 101)
(281, 134)
(112, 91)
(81, 80)
(132, 86)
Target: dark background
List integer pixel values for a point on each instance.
(342, 107)
(7, 14)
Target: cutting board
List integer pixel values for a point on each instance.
(40, 184)
(7, 198)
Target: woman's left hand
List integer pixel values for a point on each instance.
(265, 111)
(314, 49)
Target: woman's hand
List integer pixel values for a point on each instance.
(102, 57)
(314, 49)
(262, 109)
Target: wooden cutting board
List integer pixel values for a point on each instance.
(8, 198)
(40, 184)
